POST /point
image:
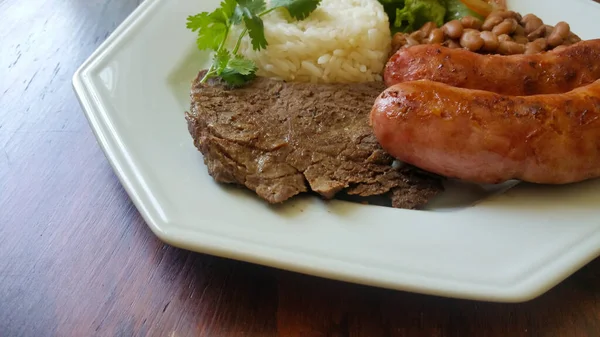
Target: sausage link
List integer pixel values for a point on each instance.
(556, 71)
(485, 137)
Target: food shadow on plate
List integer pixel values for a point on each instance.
(457, 195)
(526, 197)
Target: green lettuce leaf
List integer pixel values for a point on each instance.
(416, 13)
(409, 15)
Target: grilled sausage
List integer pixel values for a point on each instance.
(485, 137)
(546, 73)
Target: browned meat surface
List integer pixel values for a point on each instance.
(553, 72)
(280, 139)
(485, 137)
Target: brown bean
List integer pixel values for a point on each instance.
(507, 26)
(531, 22)
(517, 16)
(491, 22)
(536, 34)
(471, 22)
(506, 14)
(520, 39)
(471, 40)
(427, 28)
(559, 34)
(418, 35)
(453, 29)
(452, 44)
(490, 41)
(549, 30)
(510, 48)
(543, 43)
(436, 36)
(398, 40)
(504, 37)
(573, 38)
(563, 29)
(555, 40)
(410, 41)
(536, 46)
(520, 31)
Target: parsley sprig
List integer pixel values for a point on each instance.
(214, 29)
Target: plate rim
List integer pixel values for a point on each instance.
(207, 243)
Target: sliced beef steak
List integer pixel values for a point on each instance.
(280, 139)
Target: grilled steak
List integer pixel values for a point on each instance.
(280, 139)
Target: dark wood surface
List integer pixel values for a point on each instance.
(76, 258)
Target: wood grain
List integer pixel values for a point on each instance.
(76, 259)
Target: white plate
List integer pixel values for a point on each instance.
(511, 247)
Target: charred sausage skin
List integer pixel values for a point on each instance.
(485, 137)
(553, 72)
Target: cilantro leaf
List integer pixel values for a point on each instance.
(211, 30)
(220, 60)
(197, 22)
(241, 65)
(237, 16)
(298, 9)
(236, 79)
(256, 31)
(253, 6)
(249, 11)
(228, 7)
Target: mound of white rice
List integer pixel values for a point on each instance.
(342, 41)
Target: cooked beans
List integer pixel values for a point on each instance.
(502, 32)
(452, 44)
(559, 34)
(436, 36)
(520, 39)
(490, 41)
(427, 28)
(471, 40)
(531, 23)
(504, 37)
(418, 36)
(453, 29)
(491, 22)
(519, 31)
(536, 46)
(507, 26)
(510, 48)
(549, 30)
(536, 34)
(469, 22)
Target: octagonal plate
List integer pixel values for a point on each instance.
(509, 247)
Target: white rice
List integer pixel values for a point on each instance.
(341, 41)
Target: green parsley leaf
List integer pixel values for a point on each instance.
(242, 65)
(298, 9)
(228, 7)
(256, 31)
(236, 79)
(211, 31)
(237, 16)
(253, 6)
(249, 11)
(220, 60)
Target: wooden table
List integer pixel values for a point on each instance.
(76, 258)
